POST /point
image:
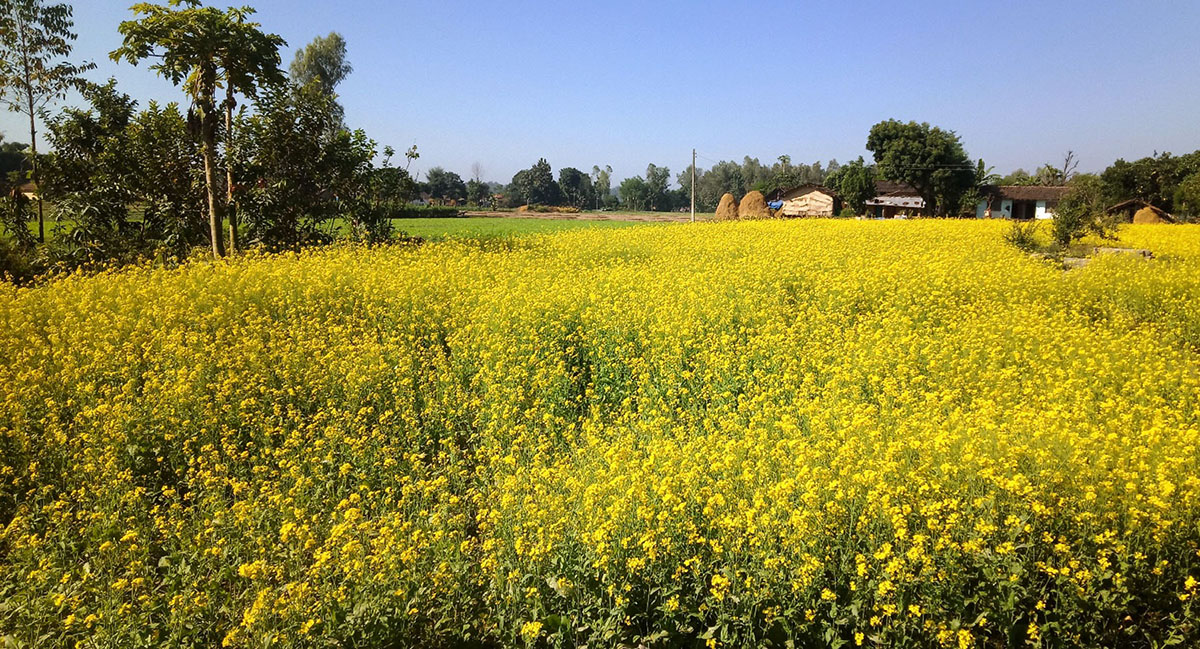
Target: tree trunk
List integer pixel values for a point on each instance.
(216, 210)
(231, 204)
(33, 174)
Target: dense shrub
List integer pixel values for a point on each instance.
(424, 212)
(1023, 235)
(1081, 212)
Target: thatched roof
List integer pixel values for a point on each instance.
(807, 188)
(889, 188)
(1134, 204)
(1028, 192)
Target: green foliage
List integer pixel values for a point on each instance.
(12, 160)
(784, 175)
(445, 185)
(1023, 235)
(478, 192)
(323, 61)
(35, 41)
(1018, 177)
(534, 186)
(1186, 198)
(723, 178)
(16, 262)
(970, 199)
(301, 172)
(1081, 211)
(649, 193)
(930, 159)
(576, 187)
(423, 212)
(602, 186)
(855, 184)
(108, 158)
(657, 179)
(634, 193)
(1152, 179)
(200, 47)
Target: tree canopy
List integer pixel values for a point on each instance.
(926, 157)
(198, 47)
(322, 61)
(35, 40)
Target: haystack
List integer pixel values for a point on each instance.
(727, 210)
(1148, 215)
(754, 206)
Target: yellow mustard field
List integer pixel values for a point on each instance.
(806, 433)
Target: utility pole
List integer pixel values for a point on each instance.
(693, 185)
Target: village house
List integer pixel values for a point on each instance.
(1019, 202)
(894, 200)
(808, 200)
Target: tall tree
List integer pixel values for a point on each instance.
(35, 41)
(1152, 179)
(634, 192)
(724, 177)
(1187, 197)
(1018, 177)
(657, 179)
(250, 60)
(322, 61)
(191, 44)
(930, 159)
(602, 183)
(445, 184)
(108, 157)
(535, 185)
(309, 174)
(575, 186)
(478, 192)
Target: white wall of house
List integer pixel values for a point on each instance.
(1001, 209)
(1043, 212)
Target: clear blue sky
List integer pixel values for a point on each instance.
(631, 82)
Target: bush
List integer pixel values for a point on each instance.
(1081, 212)
(1023, 235)
(727, 210)
(753, 206)
(16, 264)
(424, 212)
(847, 213)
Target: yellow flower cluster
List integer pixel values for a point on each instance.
(880, 434)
